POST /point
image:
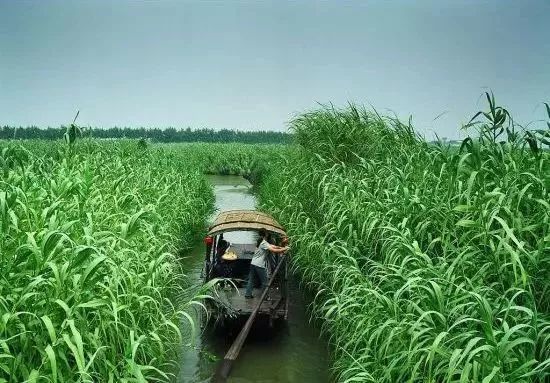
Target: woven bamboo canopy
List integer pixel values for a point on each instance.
(244, 220)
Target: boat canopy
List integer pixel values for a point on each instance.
(244, 220)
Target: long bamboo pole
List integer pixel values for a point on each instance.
(224, 368)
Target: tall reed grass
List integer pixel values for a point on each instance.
(430, 263)
(247, 160)
(91, 288)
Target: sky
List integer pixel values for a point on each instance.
(253, 65)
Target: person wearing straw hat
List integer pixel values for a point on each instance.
(258, 265)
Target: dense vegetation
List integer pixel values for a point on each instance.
(428, 263)
(245, 160)
(91, 287)
(153, 134)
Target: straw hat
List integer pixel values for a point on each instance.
(229, 255)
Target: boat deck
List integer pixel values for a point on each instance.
(234, 298)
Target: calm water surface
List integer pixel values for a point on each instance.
(292, 353)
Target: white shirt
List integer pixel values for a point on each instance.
(260, 255)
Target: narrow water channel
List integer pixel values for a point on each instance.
(292, 353)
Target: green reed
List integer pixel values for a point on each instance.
(91, 288)
(429, 263)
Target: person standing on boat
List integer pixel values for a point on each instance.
(258, 266)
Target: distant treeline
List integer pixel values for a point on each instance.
(154, 134)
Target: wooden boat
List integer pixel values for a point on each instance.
(232, 261)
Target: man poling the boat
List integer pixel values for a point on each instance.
(258, 265)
